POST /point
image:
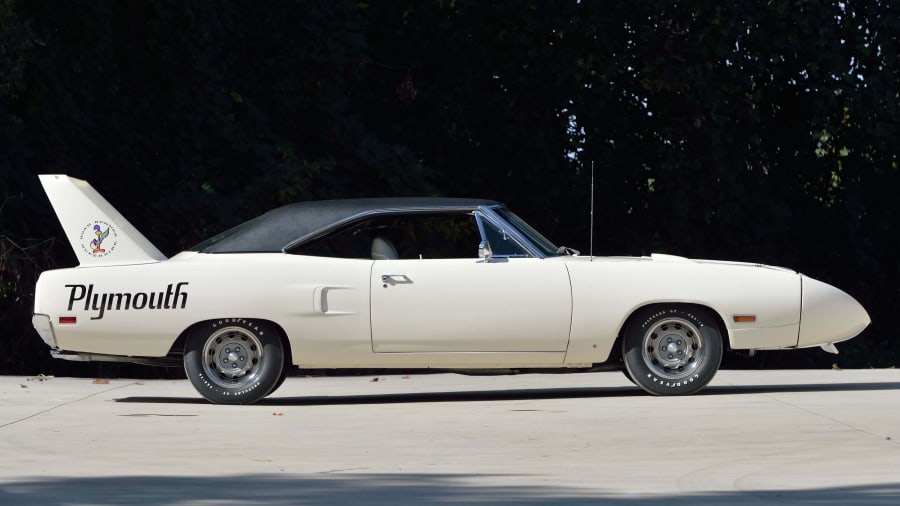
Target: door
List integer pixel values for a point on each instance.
(469, 305)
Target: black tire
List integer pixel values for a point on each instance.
(234, 360)
(688, 357)
(284, 373)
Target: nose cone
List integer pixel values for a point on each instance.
(829, 315)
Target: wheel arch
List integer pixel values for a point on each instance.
(177, 348)
(638, 311)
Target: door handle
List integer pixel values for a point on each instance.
(395, 278)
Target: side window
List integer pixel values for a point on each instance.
(502, 244)
(451, 235)
(400, 236)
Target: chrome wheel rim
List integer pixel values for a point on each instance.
(673, 348)
(231, 357)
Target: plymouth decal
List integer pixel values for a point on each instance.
(171, 298)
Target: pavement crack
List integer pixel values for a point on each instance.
(835, 420)
(73, 401)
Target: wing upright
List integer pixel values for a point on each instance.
(80, 209)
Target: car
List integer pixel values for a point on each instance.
(404, 284)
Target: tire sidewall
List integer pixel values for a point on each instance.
(656, 384)
(269, 370)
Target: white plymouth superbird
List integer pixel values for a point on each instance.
(409, 283)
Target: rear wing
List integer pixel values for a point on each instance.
(98, 233)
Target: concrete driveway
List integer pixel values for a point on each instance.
(751, 437)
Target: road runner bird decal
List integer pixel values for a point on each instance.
(96, 243)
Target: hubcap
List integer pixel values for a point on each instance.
(231, 357)
(673, 348)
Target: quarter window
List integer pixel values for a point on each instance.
(502, 244)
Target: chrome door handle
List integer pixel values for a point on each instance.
(395, 279)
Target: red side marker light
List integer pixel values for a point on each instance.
(744, 318)
(68, 320)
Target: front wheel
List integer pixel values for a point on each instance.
(672, 350)
(234, 360)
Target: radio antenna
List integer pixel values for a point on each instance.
(591, 252)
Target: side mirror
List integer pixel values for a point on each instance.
(485, 252)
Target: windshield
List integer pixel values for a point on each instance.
(540, 242)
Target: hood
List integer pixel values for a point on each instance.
(664, 258)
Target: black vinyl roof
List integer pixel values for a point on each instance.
(278, 228)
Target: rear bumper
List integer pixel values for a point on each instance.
(44, 328)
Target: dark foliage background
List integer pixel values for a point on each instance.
(761, 131)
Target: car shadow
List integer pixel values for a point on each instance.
(521, 394)
(383, 489)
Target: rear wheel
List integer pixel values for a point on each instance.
(234, 360)
(672, 350)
